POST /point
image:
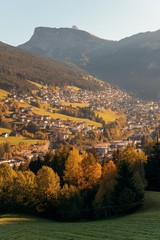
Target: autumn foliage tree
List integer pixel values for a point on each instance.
(68, 185)
(137, 161)
(24, 190)
(73, 169)
(7, 177)
(91, 171)
(103, 199)
(48, 188)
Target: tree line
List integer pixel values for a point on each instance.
(68, 185)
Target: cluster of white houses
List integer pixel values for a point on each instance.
(140, 115)
(107, 149)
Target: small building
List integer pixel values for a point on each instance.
(119, 145)
(4, 134)
(102, 148)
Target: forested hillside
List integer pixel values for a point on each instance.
(17, 66)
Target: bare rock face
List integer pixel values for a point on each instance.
(68, 44)
(132, 63)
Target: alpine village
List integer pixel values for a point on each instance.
(79, 126)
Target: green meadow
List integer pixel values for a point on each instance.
(142, 225)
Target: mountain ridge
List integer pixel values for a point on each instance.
(51, 43)
(131, 63)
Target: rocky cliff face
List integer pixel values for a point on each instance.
(132, 63)
(66, 44)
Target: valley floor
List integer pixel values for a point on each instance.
(142, 225)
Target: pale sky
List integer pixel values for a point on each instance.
(108, 19)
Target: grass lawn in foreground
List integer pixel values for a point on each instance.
(142, 225)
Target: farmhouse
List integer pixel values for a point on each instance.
(102, 148)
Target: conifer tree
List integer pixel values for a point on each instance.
(103, 197)
(59, 160)
(128, 192)
(152, 168)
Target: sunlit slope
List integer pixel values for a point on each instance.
(142, 225)
(3, 94)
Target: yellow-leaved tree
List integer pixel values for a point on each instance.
(48, 187)
(137, 161)
(92, 171)
(107, 185)
(73, 169)
(25, 189)
(7, 178)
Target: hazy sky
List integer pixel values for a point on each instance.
(108, 19)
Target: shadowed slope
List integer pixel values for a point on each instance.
(143, 225)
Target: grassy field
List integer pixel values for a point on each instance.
(74, 88)
(38, 84)
(74, 105)
(142, 225)
(24, 104)
(108, 115)
(2, 130)
(18, 139)
(3, 94)
(42, 111)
